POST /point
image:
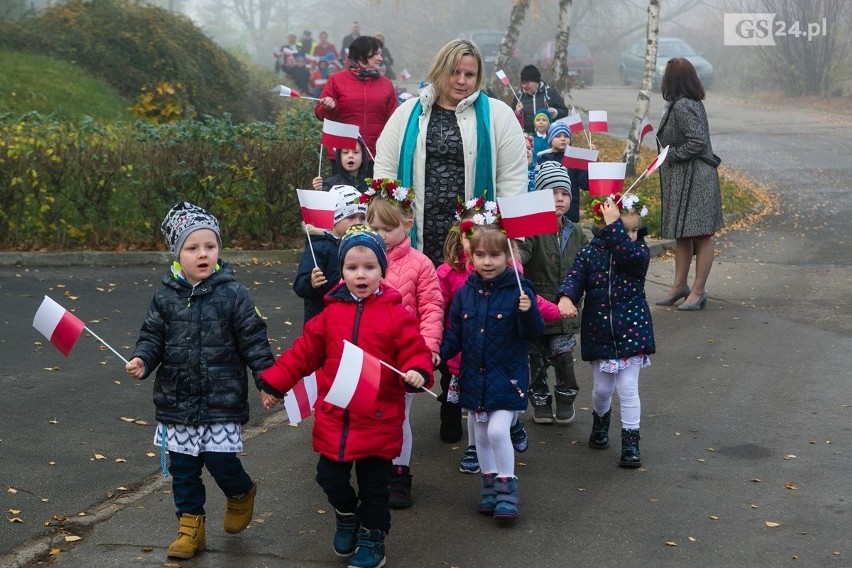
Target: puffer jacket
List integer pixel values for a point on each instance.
(545, 97)
(202, 338)
(382, 328)
(616, 320)
(325, 246)
(413, 274)
(493, 337)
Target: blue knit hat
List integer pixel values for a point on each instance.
(557, 128)
(362, 235)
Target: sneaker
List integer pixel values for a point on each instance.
(470, 462)
(520, 441)
(542, 414)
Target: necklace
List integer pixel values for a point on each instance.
(442, 147)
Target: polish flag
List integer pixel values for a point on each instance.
(320, 82)
(574, 122)
(285, 91)
(528, 214)
(645, 128)
(405, 75)
(356, 384)
(502, 76)
(597, 121)
(317, 207)
(606, 178)
(658, 161)
(60, 326)
(579, 158)
(339, 135)
(299, 401)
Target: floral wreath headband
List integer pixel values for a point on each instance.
(390, 190)
(630, 203)
(476, 211)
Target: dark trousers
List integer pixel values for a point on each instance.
(187, 487)
(371, 501)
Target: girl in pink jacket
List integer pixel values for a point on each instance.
(391, 214)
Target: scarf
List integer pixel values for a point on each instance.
(361, 72)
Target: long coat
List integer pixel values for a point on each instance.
(691, 198)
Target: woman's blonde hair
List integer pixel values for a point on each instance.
(490, 239)
(387, 213)
(447, 60)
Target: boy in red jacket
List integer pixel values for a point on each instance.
(369, 314)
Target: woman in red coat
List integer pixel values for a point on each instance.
(359, 95)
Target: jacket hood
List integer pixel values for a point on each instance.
(428, 97)
(341, 293)
(362, 171)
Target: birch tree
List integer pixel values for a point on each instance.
(561, 78)
(507, 46)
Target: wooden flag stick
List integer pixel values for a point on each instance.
(395, 370)
(311, 246)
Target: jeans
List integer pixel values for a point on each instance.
(187, 487)
(371, 502)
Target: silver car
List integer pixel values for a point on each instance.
(631, 68)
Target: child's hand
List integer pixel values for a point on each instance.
(524, 304)
(567, 309)
(135, 368)
(414, 379)
(610, 212)
(318, 278)
(316, 183)
(436, 359)
(268, 400)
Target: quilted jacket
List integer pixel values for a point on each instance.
(200, 339)
(616, 320)
(493, 337)
(382, 328)
(325, 246)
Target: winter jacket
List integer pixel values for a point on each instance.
(381, 327)
(616, 320)
(545, 97)
(579, 180)
(325, 247)
(508, 149)
(343, 177)
(200, 339)
(545, 265)
(493, 338)
(413, 274)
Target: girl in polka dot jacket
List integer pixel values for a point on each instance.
(616, 333)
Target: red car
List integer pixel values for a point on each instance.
(581, 64)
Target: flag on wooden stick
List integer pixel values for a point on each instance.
(57, 324)
(299, 401)
(339, 135)
(606, 178)
(356, 384)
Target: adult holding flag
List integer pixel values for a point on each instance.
(536, 95)
(359, 95)
(360, 403)
(691, 205)
(452, 141)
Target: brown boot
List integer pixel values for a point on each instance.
(239, 512)
(191, 537)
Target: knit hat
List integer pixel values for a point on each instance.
(184, 218)
(348, 202)
(557, 128)
(531, 73)
(362, 235)
(543, 113)
(552, 175)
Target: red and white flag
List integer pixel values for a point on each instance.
(658, 161)
(579, 158)
(405, 75)
(598, 121)
(528, 214)
(574, 122)
(645, 128)
(356, 384)
(60, 326)
(285, 91)
(606, 178)
(317, 207)
(299, 401)
(339, 135)
(502, 76)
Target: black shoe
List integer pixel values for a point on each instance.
(400, 488)
(599, 439)
(451, 423)
(630, 449)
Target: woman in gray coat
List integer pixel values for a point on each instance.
(691, 198)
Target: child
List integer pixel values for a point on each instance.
(315, 281)
(201, 331)
(352, 169)
(541, 123)
(491, 324)
(559, 138)
(369, 313)
(546, 259)
(617, 335)
(391, 214)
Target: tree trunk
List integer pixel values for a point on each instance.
(643, 100)
(561, 80)
(507, 47)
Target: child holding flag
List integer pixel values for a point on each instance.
(201, 331)
(491, 324)
(617, 334)
(369, 313)
(353, 167)
(559, 138)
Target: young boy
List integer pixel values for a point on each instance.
(559, 138)
(369, 313)
(353, 169)
(313, 282)
(201, 332)
(546, 258)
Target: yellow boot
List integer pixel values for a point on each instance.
(239, 512)
(191, 537)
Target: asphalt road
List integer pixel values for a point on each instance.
(745, 417)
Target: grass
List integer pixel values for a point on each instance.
(39, 83)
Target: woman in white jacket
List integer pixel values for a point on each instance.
(452, 141)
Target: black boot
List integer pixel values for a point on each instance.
(400, 487)
(630, 449)
(599, 439)
(451, 422)
(565, 390)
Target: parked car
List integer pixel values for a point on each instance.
(488, 42)
(581, 64)
(631, 67)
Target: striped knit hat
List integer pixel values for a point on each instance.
(552, 175)
(557, 128)
(184, 218)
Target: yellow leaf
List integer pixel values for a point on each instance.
(714, 517)
(140, 422)
(45, 500)
(126, 419)
(72, 538)
(671, 543)
(14, 511)
(150, 454)
(11, 490)
(772, 524)
(51, 463)
(790, 486)
(117, 382)
(15, 520)
(321, 511)
(120, 460)
(54, 552)
(691, 538)
(99, 457)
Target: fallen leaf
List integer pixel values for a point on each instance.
(54, 552)
(701, 460)
(148, 549)
(98, 457)
(753, 506)
(126, 419)
(117, 382)
(15, 520)
(789, 457)
(714, 517)
(140, 422)
(14, 511)
(691, 538)
(72, 538)
(756, 480)
(790, 486)
(54, 421)
(45, 500)
(772, 524)
(120, 460)
(150, 454)
(12, 490)
(671, 543)
(121, 488)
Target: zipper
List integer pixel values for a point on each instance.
(345, 432)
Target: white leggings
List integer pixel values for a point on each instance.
(626, 382)
(407, 438)
(493, 444)
(471, 431)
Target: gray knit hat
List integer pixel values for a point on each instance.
(552, 175)
(184, 218)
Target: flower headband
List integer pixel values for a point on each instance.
(476, 211)
(630, 203)
(390, 190)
